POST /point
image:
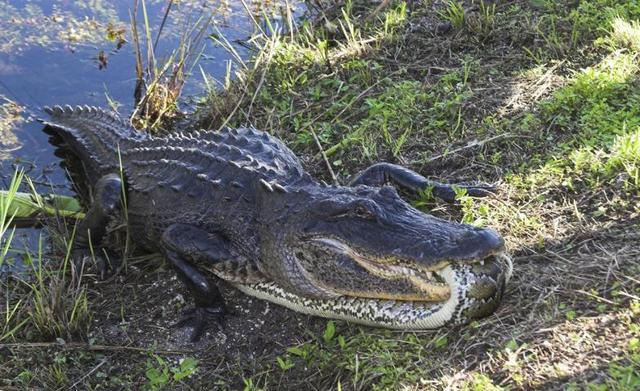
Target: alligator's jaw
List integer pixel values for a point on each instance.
(405, 315)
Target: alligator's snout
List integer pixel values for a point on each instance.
(450, 244)
(477, 244)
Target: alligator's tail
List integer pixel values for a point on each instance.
(93, 135)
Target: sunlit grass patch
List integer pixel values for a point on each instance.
(596, 115)
(619, 163)
(480, 382)
(598, 102)
(626, 34)
(294, 83)
(592, 17)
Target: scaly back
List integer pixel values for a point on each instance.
(93, 135)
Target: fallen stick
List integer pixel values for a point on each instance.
(88, 347)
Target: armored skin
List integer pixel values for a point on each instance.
(238, 205)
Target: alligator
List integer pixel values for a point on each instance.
(238, 205)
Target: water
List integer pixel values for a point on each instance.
(50, 53)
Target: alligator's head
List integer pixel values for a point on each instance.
(366, 255)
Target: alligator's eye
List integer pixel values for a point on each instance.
(333, 212)
(363, 211)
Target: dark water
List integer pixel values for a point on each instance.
(49, 54)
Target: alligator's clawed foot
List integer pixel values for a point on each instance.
(107, 264)
(447, 193)
(198, 317)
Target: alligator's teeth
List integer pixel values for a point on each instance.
(482, 263)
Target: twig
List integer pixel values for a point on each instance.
(632, 279)
(471, 144)
(88, 347)
(164, 20)
(233, 112)
(347, 107)
(324, 157)
(86, 375)
(376, 11)
(595, 296)
(629, 295)
(262, 78)
(360, 95)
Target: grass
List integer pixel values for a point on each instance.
(12, 321)
(540, 97)
(53, 303)
(59, 307)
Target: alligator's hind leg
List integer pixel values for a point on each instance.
(184, 244)
(91, 230)
(383, 173)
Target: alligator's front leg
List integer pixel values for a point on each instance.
(382, 173)
(184, 244)
(91, 230)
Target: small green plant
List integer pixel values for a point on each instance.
(187, 367)
(303, 351)
(480, 382)
(394, 18)
(285, 363)
(483, 24)
(469, 207)
(454, 13)
(160, 374)
(157, 373)
(512, 345)
(249, 385)
(56, 372)
(441, 342)
(329, 332)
